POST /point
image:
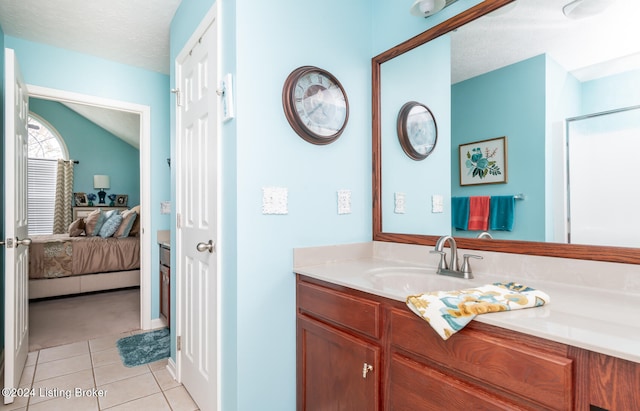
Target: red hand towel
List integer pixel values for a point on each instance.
(479, 213)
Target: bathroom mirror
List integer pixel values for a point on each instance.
(387, 79)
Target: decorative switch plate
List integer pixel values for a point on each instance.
(344, 201)
(165, 207)
(399, 203)
(274, 200)
(437, 203)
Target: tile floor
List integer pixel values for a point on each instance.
(55, 373)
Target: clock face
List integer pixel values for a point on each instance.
(315, 105)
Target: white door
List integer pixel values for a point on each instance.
(16, 249)
(197, 279)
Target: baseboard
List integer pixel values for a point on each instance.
(171, 367)
(157, 323)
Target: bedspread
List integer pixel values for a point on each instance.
(58, 255)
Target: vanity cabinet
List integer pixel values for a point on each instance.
(481, 365)
(165, 284)
(339, 354)
(358, 351)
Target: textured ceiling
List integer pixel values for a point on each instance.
(529, 28)
(132, 32)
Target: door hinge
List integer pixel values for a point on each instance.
(176, 91)
(178, 220)
(178, 343)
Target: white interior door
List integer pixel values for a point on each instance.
(197, 279)
(16, 249)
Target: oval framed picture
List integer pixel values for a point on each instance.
(417, 130)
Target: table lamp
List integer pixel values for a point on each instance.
(101, 182)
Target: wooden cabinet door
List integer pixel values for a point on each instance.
(336, 371)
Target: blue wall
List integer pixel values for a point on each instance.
(394, 24)
(57, 68)
(97, 150)
(506, 102)
(428, 66)
(261, 149)
(609, 93)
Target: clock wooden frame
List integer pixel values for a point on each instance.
(292, 114)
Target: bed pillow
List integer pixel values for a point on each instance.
(111, 223)
(128, 218)
(135, 229)
(76, 229)
(91, 221)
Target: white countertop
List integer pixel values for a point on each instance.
(596, 319)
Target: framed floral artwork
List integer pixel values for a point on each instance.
(483, 162)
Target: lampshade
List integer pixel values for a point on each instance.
(426, 8)
(101, 181)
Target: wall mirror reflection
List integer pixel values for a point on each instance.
(530, 72)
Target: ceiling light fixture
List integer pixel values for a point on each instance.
(426, 8)
(580, 9)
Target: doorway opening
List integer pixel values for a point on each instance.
(144, 114)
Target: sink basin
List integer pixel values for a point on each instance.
(413, 280)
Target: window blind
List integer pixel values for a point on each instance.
(41, 186)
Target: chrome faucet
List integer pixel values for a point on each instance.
(484, 234)
(453, 268)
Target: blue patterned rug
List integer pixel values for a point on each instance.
(144, 348)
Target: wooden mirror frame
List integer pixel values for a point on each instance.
(576, 251)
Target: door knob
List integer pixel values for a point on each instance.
(210, 246)
(26, 242)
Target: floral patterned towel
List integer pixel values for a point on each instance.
(449, 311)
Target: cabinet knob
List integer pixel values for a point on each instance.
(366, 368)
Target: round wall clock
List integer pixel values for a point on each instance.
(417, 130)
(315, 104)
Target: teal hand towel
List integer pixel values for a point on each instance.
(501, 213)
(460, 213)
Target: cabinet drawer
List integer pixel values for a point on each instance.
(349, 311)
(511, 365)
(417, 387)
(165, 256)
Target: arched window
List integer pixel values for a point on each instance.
(45, 146)
(44, 141)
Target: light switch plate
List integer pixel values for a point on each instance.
(165, 207)
(344, 201)
(274, 200)
(399, 203)
(226, 93)
(437, 203)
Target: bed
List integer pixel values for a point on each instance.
(61, 265)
